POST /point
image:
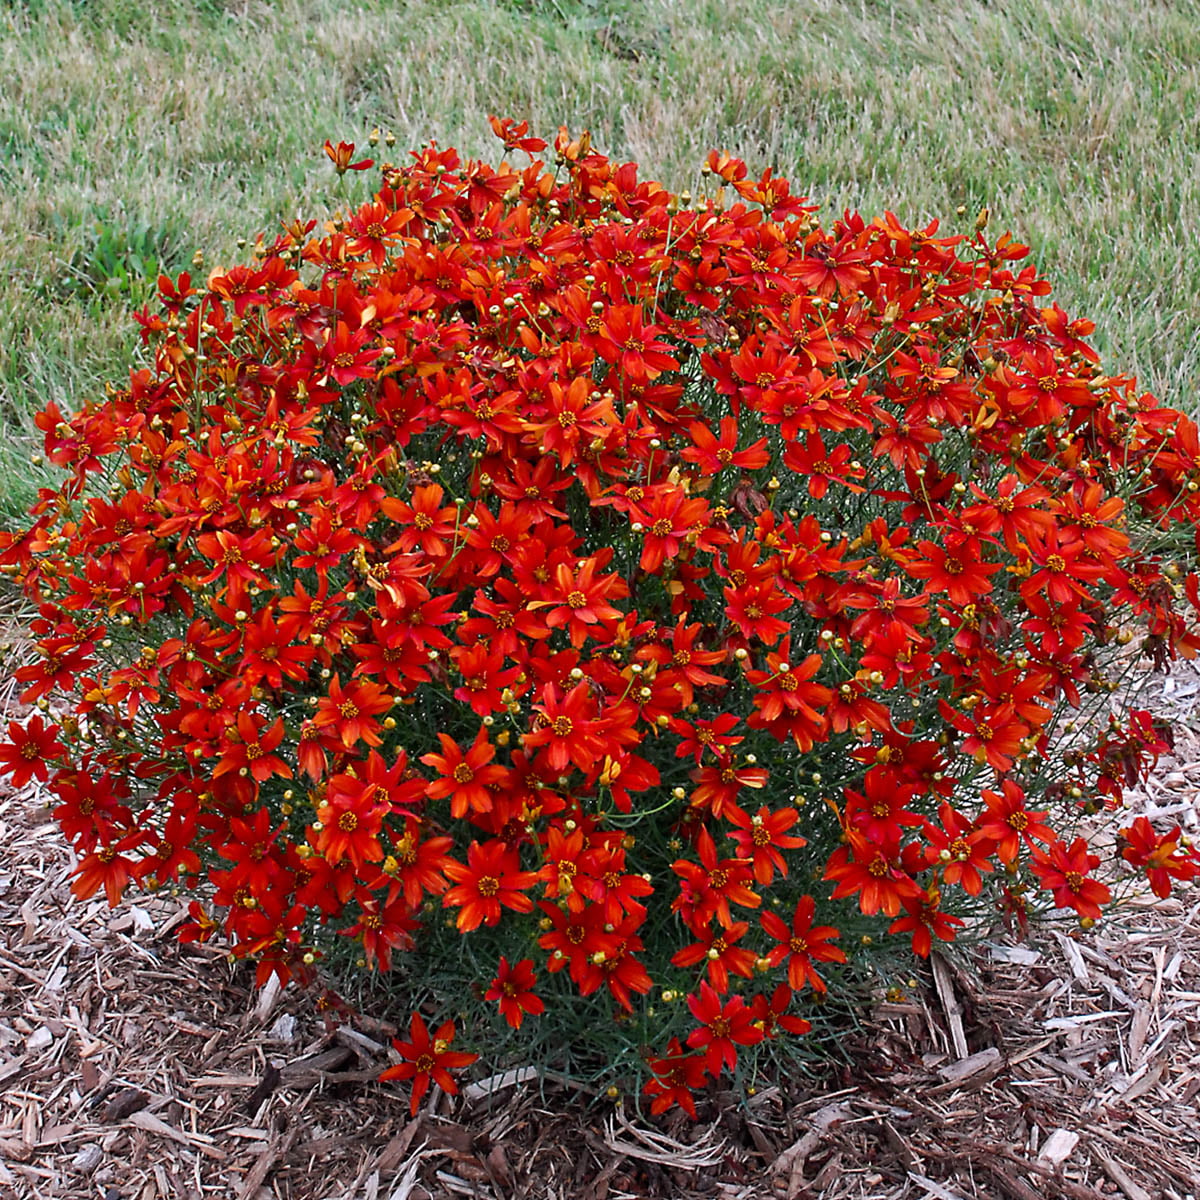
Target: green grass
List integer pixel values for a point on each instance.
(132, 135)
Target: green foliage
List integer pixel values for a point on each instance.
(117, 258)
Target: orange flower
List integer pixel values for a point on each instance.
(465, 778)
(490, 881)
(427, 1059)
(513, 988)
(350, 712)
(803, 943)
(1066, 871)
(341, 154)
(28, 750)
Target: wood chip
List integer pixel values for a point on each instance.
(473, 1093)
(124, 1103)
(944, 982)
(933, 1188)
(87, 1159)
(196, 1141)
(1119, 1176)
(1058, 1147)
(956, 1073)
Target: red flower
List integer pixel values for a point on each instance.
(667, 517)
(429, 525)
(350, 712)
(865, 869)
(993, 733)
(1158, 855)
(428, 1059)
(717, 951)
(568, 729)
(773, 1013)
(710, 886)
(416, 868)
(878, 812)
(341, 154)
(344, 356)
(28, 750)
(492, 879)
(1065, 871)
(821, 467)
(105, 868)
(713, 455)
(688, 662)
(580, 600)
(761, 837)
(465, 778)
(960, 858)
(955, 569)
(754, 608)
(513, 988)
(572, 417)
(612, 889)
(723, 1027)
(633, 347)
(383, 927)
(575, 938)
(786, 700)
(713, 736)
(801, 945)
(718, 787)
(323, 543)
(675, 1076)
(248, 749)
(833, 267)
(515, 136)
(925, 919)
(240, 559)
(1007, 822)
(484, 677)
(351, 820)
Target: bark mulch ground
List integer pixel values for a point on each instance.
(133, 1068)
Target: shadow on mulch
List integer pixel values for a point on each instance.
(134, 1068)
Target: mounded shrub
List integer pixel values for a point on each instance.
(607, 610)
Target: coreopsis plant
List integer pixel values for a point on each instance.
(602, 606)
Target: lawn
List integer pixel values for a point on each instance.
(135, 137)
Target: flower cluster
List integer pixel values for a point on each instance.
(620, 580)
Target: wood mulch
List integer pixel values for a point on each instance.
(133, 1068)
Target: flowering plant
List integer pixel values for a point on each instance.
(587, 595)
